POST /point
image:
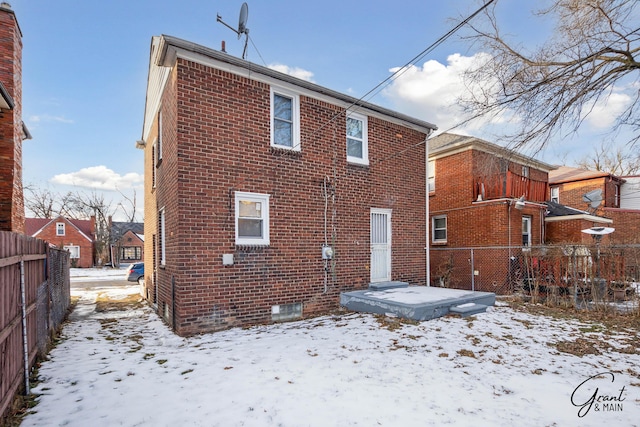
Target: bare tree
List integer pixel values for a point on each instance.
(549, 91)
(42, 203)
(613, 160)
(94, 204)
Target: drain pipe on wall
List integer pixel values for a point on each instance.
(427, 219)
(25, 343)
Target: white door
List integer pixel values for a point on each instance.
(380, 245)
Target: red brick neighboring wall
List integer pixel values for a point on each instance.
(216, 142)
(72, 237)
(11, 196)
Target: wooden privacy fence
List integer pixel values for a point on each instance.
(34, 299)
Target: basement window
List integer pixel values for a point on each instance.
(284, 312)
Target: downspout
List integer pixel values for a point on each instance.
(427, 221)
(24, 330)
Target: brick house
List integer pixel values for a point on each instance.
(482, 195)
(128, 242)
(76, 236)
(251, 173)
(12, 130)
(569, 186)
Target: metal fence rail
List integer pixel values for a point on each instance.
(507, 270)
(32, 306)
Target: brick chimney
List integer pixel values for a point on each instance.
(12, 130)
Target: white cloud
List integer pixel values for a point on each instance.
(603, 113)
(100, 178)
(49, 118)
(293, 71)
(431, 92)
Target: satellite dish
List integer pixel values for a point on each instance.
(242, 21)
(242, 26)
(593, 198)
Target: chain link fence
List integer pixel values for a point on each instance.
(567, 269)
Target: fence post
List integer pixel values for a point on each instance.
(473, 273)
(24, 329)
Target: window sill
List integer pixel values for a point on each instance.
(439, 243)
(275, 149)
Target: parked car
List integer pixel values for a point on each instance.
(135, 272)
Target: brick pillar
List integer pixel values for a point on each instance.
(12, 131)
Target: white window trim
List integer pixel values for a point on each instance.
(264, 200)
(431, 175)
(365, 140)
(528, 220)
(159, 140)
(154, 163)
(163, 235)
(295, 117)
(555, 190)
(433, 229)
(63, 228)
(71, 252)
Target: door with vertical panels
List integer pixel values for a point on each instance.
(380, 245)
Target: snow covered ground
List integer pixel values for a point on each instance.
(500, 368)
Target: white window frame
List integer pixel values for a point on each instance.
(434, 229)
(431, 175)
(525, 171)
(60, 229)
(555, 194)
(364, 160)
(295, 118)
(258, 198)
(528, 220)
(159, 138)
(74, 251)
(162, 231)
(154, 163)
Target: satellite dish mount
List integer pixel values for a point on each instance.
(242, 26)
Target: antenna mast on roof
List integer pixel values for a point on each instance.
(242, 26)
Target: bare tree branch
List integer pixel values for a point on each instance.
(551, 90)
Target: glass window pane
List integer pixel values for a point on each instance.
(282, 107)
(283, 133)
(249, 227)
(250, 209)
(440, 223)
(354, 128)
(354, 148)
(440, 234)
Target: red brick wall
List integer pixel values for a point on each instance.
(627, 225)
(11, 196)
(72, 237)
(216, 142)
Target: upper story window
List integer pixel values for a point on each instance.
(431, 175)
(525, 171)
(616, 201)
(153, 167)
(357, 139)
(60, 229)
(162, 243)
(159, 139)
(252, 219)
(555, 194)
(439, 229)
(285, 119)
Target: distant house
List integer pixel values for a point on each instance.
(613, 200)
(482, 195)
(128, 242)
(12, 129)
(266, 195)
(76, 236)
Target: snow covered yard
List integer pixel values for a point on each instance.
(501, 368)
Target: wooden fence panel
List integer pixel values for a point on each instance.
(23, 276)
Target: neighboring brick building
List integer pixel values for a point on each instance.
(569, 186)
(482, 195)
(12, 129)
(249, 172)
(127, 242)
(76, 236)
